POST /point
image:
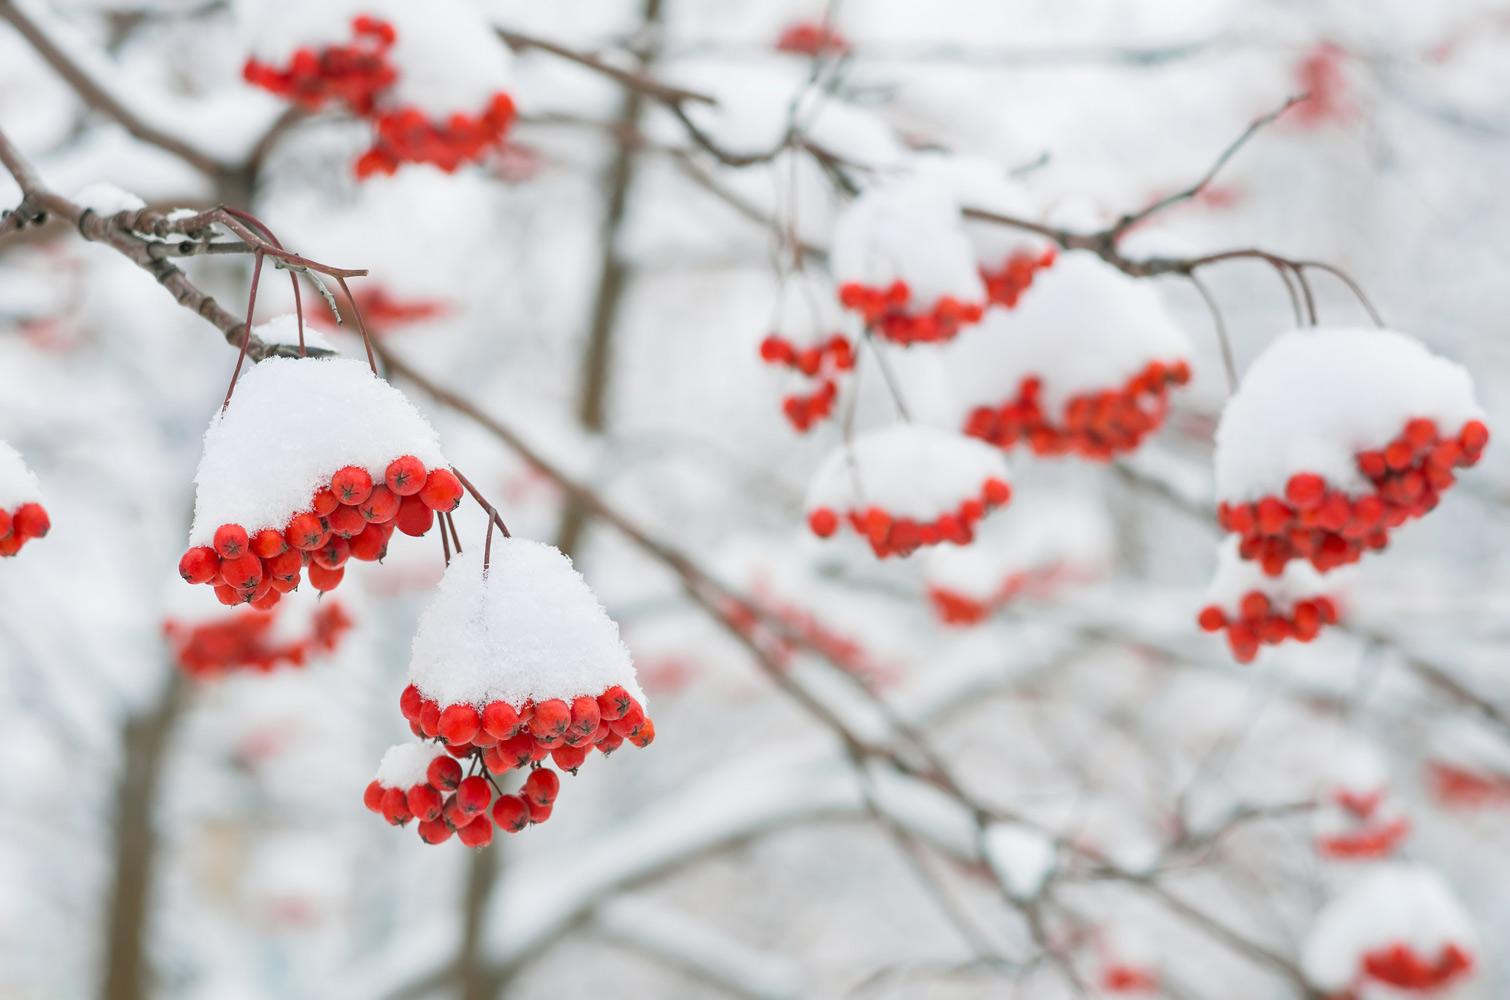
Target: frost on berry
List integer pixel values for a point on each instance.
(206, 641)
(907, 486)
(1255, 609)
(1398, 926)
(1044, 542)
(1357, 817)
(1082, 366)
(902, 261)
(294, 477)
(23, 518)
(1335, 438)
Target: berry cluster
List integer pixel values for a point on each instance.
(406, 135)
(823, 363)
(19, 526)
(1360, 827)
(1005, 284)
(1325, 525)
(352, 74)
(245, 640)
(1260, 621)
(1119, 977)
(1455, 785)
(808, 38)
(1097, 426)
(1399, 965)
(383, 311)
(352, 518)
(801, 629)
(494, 740)
(901, 536)
(886, 310)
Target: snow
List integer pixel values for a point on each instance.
(1082, 327)
(103, 198)
(405, 765)
(275, 29)
(1391, 903)
(1236, 577)
(292, 423)
(18, 484)
(530, 628)
(983, 184)
(1357, 768)
(285, 330)
(908, 470)
(1022, 858)
(1469, 744)
(1316, 398)
(907, 229)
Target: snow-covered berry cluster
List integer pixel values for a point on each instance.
(1082, 366)
(1255, 609)
(1335, 438)
(1006, 282)
(1357, 817)
(823, 362)
(812, 38)
(22, 516)
(432, 78)
(315, 462)
(514, 665)
(906, 487)
(252, 639)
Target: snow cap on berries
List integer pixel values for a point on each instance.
(1395, 905)
(1084, 327)
(1236, 577)
(275, 29)
(18, 485)
(1317, 398)
(293, 423)
(907, 229)
(980, 183)
(284, 331)
(448, 56)
(530, 628)
(907, 470)
(405, 765)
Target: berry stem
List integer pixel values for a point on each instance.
(493, 518)
(361, 327)
(246, 336)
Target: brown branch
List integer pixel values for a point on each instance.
(640, 82)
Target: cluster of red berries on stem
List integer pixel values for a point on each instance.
(407, 135)
(245, 640)
(353, 74)
(1005, 284)
(901, 536)
(499, 738)
(1259, 622)
(1371, 833)
(19, 526)
(352, 518)
(887, 311)
(1329, 527)
(1454, 785)
(810, 38)
(1096, 426)
(1398, 965)
(823, 362)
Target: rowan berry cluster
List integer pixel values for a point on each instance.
(891, 312)
(1261, 620)
(1359, 826)
(352, 518)
(1456, 785)
(1005, 284)
(1324, 524)
(492, 741)
(890, 535)
(824, 363)
(19, 526)
(407, 135)
(1402, 967)
(1096, 426)
(809, 38)
(246, 639)
(353, 73)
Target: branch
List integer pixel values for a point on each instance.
(665, 93)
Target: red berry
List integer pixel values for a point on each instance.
(351, 485)
(570, 758)
(1305, 490)
(242, 573)
(333, 554)
(396, 807)
(264, 601)
(473, 795)
(518, 750)
(199, 565)
(405, 475)
(425, 802)
(500, 720)
(372, 798)
(5, 524)
(585, 716)
(630, 721)
(444, 774)
(478, 833)
(613, 703)
(381, 505)
(304, 532)
(644, 735)
(442, 490)
(511, 813)
(230, 541)
(539, 813)
(1474, 436)
(324, 580)
(997, 493)
(324, 502)
(410, 701)
(429, 718)
(823, 522)
(542, 786)
(371, 545)
(434, 831)
(459, 723)
(1212, 618)
(1255, 605)
(414, 518)
(229, 596)
(268, 543)
(551, 719)
(347, 522)
(284, 567)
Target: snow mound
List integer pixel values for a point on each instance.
(293, 423)
(1084, 328)
(906, 470)
(275, 29)
(405, 765)
(909, 230)
(18, 485)
(977, 182)
(1394, 904)
(103, 198)
(1316, 398)
(285, 330)
(530, 628)
(1020, 857)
